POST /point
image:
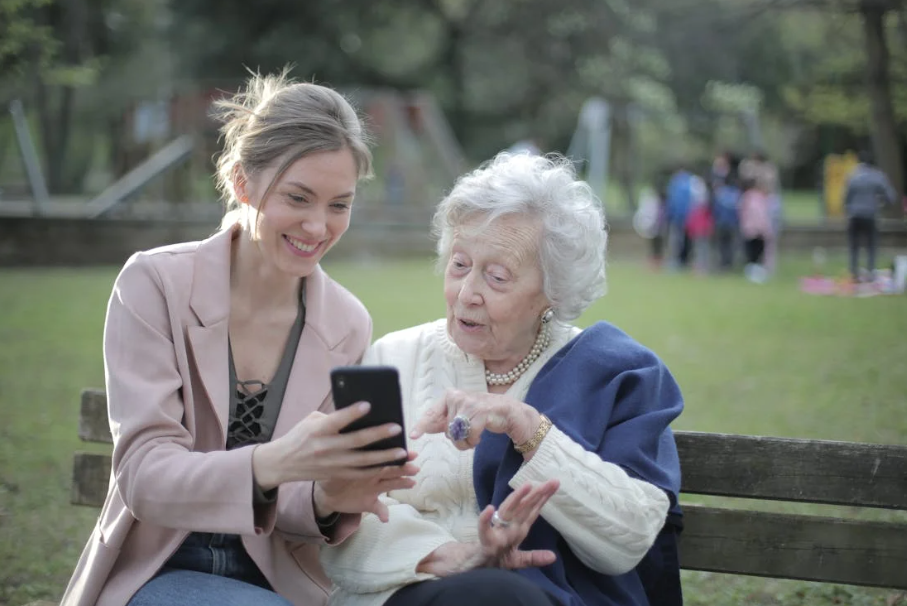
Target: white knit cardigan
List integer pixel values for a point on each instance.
(608, 519)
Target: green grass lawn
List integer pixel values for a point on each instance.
(750, 359)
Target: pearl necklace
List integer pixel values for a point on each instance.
(541, 342)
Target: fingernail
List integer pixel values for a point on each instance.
(414, 434)
(401, 454)
(364, 406)
(394, 430)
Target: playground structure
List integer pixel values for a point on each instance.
(417, 157)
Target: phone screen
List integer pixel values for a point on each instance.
(378, 385)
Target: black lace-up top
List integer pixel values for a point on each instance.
(254, 405)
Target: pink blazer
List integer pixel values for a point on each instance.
(165, 353)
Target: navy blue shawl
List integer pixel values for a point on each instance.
(616, 398)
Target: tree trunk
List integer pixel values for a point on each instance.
(48, 132)
(56, 156)
(55, 120)
(453, 58)
(622, 159)
(5, 139)
(902, 24)
(116, 135)
(884, 125)
(56, 103)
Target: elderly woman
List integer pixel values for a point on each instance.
(547, 465)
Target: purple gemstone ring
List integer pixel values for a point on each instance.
(458, 429)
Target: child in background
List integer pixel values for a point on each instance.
(679, 201)
(726, 213)
(699, 228)
(649, 223)
(755, 228)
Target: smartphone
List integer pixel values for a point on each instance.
(379, 386)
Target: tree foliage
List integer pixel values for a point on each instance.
(24, 39)
(518, 66)
(501, 70)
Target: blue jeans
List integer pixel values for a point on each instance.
(479, 587)
(208, 569)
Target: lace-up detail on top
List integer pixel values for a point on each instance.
(254, 405)
(246, 422)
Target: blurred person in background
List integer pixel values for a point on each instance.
(548, 465)
(764, 173)
(868, 190)
(755, 228)
(649, 220)
(679, 202)
(657, 248)
(726, 212)
(722, 166)
(700, 226)
(229, 468)
(660, 227)
(757, 167)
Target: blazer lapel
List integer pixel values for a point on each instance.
(309, 382)
(209, 348)
(210, 300)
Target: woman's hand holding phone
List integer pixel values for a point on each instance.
(315, 449)
(353, 454)
(354, 496)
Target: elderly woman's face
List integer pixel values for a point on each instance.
(494, 291)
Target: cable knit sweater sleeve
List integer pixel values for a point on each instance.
(608, 518)
(380, 556)
(383, 556)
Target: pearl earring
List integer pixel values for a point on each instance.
(547, 316)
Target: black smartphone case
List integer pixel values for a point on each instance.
(378, 385)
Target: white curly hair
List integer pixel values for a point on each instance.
(573, 237)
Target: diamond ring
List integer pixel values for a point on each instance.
(458, 429)
(497, 520)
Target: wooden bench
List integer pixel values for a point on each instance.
(737, 541)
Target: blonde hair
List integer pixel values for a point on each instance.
(277, 119)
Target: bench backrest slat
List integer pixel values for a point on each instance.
(90, 478)
(93, 423)
(791, 546)
(810, 471)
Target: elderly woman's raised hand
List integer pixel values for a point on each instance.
(500, 535)
(502, 531)
(463, 416)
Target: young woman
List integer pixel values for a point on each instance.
(228, 466)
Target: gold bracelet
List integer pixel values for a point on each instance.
(536, 439)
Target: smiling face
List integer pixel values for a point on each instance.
(305, 212)
(494, 290)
